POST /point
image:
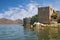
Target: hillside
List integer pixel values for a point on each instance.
(8, 21)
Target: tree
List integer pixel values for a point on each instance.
(35, 16)
(34, 19)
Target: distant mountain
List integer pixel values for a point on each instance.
(8, 21)
(19, 21)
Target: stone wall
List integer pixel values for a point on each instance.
(58, 16)
(44, 14)
(27, 22)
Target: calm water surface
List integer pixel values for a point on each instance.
(16, 32)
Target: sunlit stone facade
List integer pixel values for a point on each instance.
(44, 14)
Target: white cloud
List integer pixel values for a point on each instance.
(1, 15)
(32, 8)
(19, 12)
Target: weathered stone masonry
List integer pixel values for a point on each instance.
(44, 14)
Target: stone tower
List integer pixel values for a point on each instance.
(44, 14)
(27, 22)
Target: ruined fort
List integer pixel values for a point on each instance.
(44, 15)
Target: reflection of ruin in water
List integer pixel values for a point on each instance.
(49, 33)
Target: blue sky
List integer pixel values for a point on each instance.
(18, 9)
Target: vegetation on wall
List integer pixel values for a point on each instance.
(54, 15)
(34, 19)
(35, 16)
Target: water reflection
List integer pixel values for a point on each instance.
(30, 34)
(49, 33)
(43, 33)
(18, 32)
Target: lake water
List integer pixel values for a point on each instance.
(16, 32)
